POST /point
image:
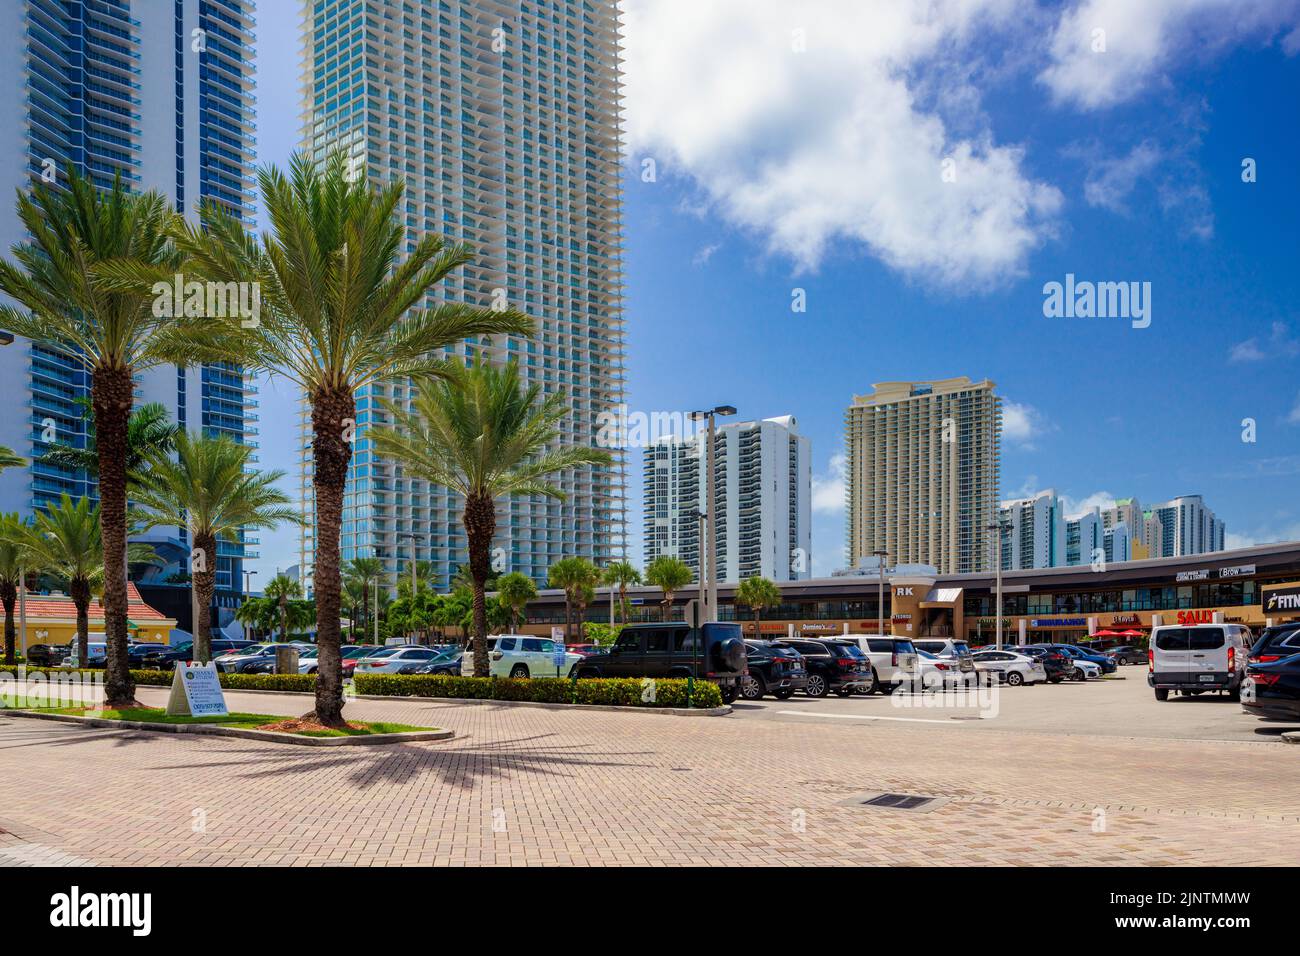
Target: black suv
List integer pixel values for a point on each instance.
(1277, 642)
(774, 667)
(833, 665)
(162, 657)
(47, 655)
(671, 650)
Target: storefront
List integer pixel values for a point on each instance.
(52, 619)
(1281, 602)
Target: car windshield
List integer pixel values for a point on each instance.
(904, 647)
(383, 652)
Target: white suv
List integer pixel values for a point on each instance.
(519, 655)
(893, 661)
(1194, 658)
(946, 647)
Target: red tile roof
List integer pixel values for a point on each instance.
(44, 605)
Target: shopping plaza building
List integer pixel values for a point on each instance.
(1119, 603)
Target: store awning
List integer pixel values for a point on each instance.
(941, 597)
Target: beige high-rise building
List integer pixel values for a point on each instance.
(923, 467)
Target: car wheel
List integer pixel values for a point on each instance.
(1122, 662)
(872, 687)
(1015, 678)
(816, 686)
(729, 694)
(1162, 693)
(1078, 675)
(751, 688)
(519, 670)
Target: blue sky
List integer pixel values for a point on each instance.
(802, 146)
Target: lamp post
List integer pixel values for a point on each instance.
(248, 584)
(711, 587)
(414, 537)
(882, 556)
(998, 527)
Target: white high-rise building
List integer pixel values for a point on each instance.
(763, 477)
(502, 119)
(1177, 528)
(1035, 532)
(1084, 538)
(161, 93)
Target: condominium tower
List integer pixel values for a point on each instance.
(923, 463)
(763, 477)
(160, 93)
(502, 119)
(1034, 533)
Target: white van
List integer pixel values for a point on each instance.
(1192, 659)
(893, 661)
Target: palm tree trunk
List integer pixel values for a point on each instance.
(205, 583)
(480, 521)
(333, 415)
(112, 393)
(8, 595)
(667, 605)
(79, 591)
(758, 629)
(365, 611)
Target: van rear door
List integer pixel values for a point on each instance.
(1172, 651)
(1208, 650)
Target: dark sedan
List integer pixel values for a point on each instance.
(1272, 690)
(1127, 655)
(446, 663)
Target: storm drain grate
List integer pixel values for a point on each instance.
(896, 801)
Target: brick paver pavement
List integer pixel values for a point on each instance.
(538, 786)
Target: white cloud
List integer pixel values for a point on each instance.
(1281, 344)
(1247, 351)
(1294, 417)
(1073, 507)
(838, 142)
(705, 253)
(1110, 181)
(1269, 535)
(828, 490)
(1144, 38)
(1023, 424)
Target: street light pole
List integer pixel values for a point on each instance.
(414, 583)
(709, 567)
(880, 590)
(997, 527)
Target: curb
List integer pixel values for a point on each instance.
(263, 735)
(723, 711)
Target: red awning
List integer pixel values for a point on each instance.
(1107, 634)
(1134, 634)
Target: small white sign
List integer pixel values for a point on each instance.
(196, 692)
(557, 633)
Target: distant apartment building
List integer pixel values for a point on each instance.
(1084, 538)
(162, 94)
(1117, 543)
(763, 477)
(502, 118)
(1034, 533)
(923, 473)
(1180, 527)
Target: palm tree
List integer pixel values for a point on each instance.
(757, 593)
(515, 590)
(481, 433)
(208, 489)
(620, 574)
(360, 575)
(670, 575)
(67, 543)
(256, 614)
(339, 313)
(576, 577)
(77, 290)
(17, 560)
(8, 459)
(280, 590)
(148, 430)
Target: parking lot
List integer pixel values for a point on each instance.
(1096, 773)
(1121, 705)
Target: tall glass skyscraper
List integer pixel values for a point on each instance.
(502, 118)
(162, 93)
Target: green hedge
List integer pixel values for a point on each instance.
(621, 692)
(152, 678)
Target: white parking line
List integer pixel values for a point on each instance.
(910, 720)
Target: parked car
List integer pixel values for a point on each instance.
(47, 655)
(893, 661)
(1106, 664)
(1056, 663)
(392, 659)
(586, 650)
(96, 654)
(1192, 659)
(833, 664)
(520, 655)
(356, 652)
(936, 672)
(774, 667)
(957, 650)
(1085, 670)
(164, 656)
(448, 663)
(239, 660)
(1277, 642)
(715, 651)
(1271, 689)
(1011, 668)
(1123, 656)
